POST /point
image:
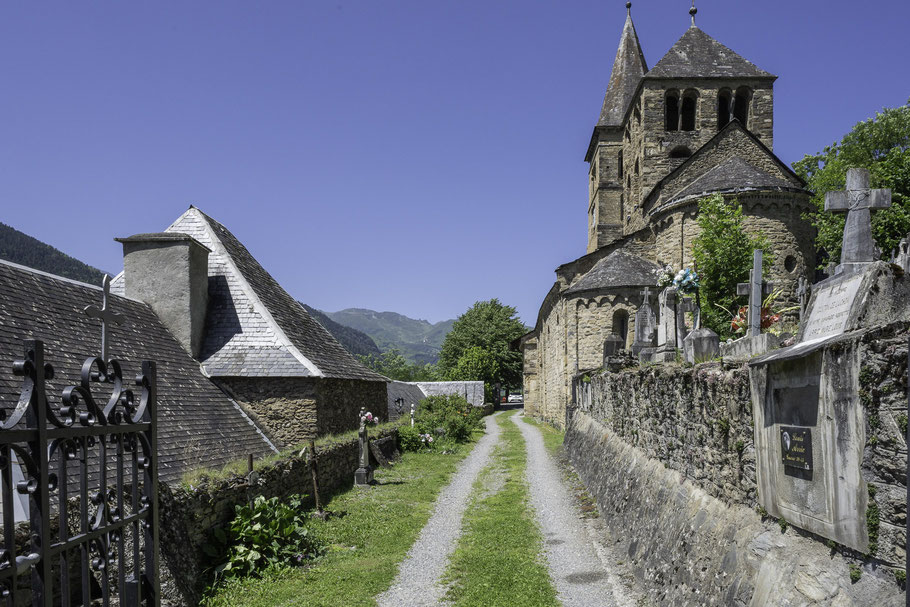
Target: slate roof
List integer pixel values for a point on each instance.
(198, 425)
(409, 393)
(616, 270)
(698, 55)
(734, 174)
(253, 327)
(628, 68)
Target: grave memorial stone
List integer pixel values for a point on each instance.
(364, 473)
(810, 426)
(613, 345)
(666, 327)
(754, 342)
(645, 324)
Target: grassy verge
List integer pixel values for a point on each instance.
(552, 437)
(367, 542)
(498, 558)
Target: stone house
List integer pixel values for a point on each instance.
(254, 340)
(199, 425)
(699, 122)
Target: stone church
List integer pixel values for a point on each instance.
(699, 122)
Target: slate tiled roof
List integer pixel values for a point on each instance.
(408, 392)
(698, 55)
(734, 174)
(198, 425)
(628, 68)
(617, 270)
(253, 327)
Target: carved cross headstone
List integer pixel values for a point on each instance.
(105, 314)
(666, 328)
(645, 323)
(757, 290)
(364, 473)
(858, 200)
(802, 291)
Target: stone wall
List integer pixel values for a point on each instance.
(668, 452)
(294, 409)
(189, 514)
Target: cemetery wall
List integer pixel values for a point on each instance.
(294, 409)
(668, 453)
(188, 514)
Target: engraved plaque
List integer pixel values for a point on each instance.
(796, 447)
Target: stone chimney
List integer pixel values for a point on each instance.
(169, 272)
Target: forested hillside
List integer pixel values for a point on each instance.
(27, 251)
(354, 341)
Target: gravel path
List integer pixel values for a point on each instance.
(417, 582)
(575, 557)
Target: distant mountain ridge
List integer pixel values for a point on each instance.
(354, 341)
(418, 340)
(25, 250)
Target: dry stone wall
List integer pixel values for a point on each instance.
(668, 452)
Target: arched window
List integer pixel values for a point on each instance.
(741, 105)
(671, 111)
(619, 164)
(680, 151)
(688, 110)
(621, 325)
(724, 101)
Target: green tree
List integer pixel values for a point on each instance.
(880, 144)
(723, 253)
(477, 364)
(395, 366)
(490, 326)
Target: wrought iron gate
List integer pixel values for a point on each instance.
(89, 470)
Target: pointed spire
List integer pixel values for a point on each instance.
(628, 68)
(693, 11)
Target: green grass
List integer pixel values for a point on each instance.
(367, 543)
(552, 437)
(498, 559)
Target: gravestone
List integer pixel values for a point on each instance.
(901, 256)
(802, 292)
(701, 345)
(858, 199)
(645, 324)
(613, 345)
(685, 305)
(754, 342)
(364, 473)
(810, 426)
(666, 329)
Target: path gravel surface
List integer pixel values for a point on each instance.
(417, 583)
(576, 559)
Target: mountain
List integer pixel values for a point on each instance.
(27, 251)
(354, 341)
(418, 340)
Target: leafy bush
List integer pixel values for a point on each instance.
(451, 412)
(271, 533)
(723, 252)
(409, 438)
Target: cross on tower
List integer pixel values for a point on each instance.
(105, 314)
(756, 289)
(858, 200)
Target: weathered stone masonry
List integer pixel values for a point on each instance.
(668, 453)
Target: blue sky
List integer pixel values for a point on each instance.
(413, 156)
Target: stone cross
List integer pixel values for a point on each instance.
(105, 314)
(666, 327)
(858, 200)
(802, 291)
(644, 324)
(364, 473)
(756, 289)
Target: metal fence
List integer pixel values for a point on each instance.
(88, 467)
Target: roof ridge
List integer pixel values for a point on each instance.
(697, 53)
(261, 307)
(19, 266)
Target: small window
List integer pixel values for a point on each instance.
(671, 111)
(741, 105)
(724, 101)
(688, 111)
(621, 325)
(619, 164)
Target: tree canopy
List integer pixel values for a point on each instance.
(491, 327)
(395, 366)
(880, 144)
